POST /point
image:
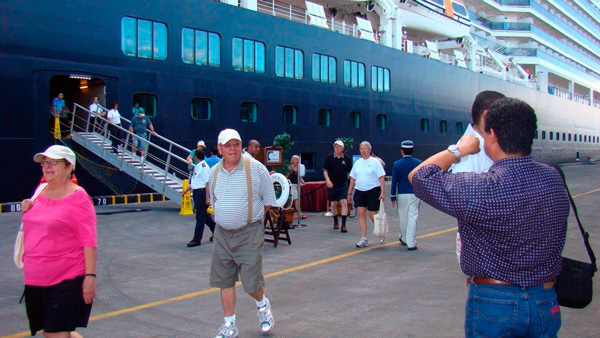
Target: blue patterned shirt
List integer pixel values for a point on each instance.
(512, 220)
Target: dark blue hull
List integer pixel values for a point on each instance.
(36, 46)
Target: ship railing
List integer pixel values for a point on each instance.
(163, 154)
(583, 99)
(596, 104)
(559, 92)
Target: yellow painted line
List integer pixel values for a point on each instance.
(587, 193)
(213, 290)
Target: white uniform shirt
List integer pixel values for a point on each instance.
(366, 173)
(476, 163)
(200, 175)
(96, 108)
(114, 115)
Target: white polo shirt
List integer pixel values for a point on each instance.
(366, 173)
(200, 175)
(115, 116)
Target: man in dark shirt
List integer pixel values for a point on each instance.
(336, 169)
(512, 220)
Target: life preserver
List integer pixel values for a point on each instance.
(285, 189)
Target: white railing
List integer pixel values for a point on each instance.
(581, 99)
(596, 104)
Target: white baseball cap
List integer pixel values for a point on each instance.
(339, 143)
(201, 144)
(228, 135)
(57, 153)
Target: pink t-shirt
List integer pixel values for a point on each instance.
(55, 233)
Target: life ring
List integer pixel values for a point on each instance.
(283, 190)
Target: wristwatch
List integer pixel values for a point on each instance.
(453, 148)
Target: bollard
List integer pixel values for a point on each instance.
(56, 128)
(186, 200)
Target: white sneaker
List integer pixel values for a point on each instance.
(362, 243)
(381, 239)
(265, 317)
(228, 330)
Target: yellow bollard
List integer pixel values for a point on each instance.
(186, 200)
(56, 128)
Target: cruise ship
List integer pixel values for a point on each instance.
(379, 70)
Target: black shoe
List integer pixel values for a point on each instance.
(336, 226)
(211, 238)
(344, 230)
(193, 244)
(401, 241)
(412, 249)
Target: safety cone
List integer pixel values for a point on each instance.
(186, 200)
(56, 128)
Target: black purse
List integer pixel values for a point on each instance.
(574, 284)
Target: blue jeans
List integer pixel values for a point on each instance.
(511, 311)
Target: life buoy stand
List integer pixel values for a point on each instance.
(282, 189)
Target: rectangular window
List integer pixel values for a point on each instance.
(354, 74)
(425, 125)
(354, 119)
(200, 47)
(201, 108)
(324, 117)
(290, 114)
(324, 68)
(146, 102)
(289, 62)
(380, 79)
(460, 130)
(248, 55)
(143, 38)
(249, 111)
(443, 126)
(381, 121)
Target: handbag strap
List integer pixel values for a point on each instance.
(584, 233)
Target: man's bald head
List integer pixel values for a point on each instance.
(253, 148)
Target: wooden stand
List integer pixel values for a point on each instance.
(278, 226)
(339, 208)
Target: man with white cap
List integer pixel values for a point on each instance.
(336, 169)
(402, 194)
(191, 160)
(241, 192)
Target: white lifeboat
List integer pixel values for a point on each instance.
(435, 18)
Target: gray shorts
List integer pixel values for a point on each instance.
(238, 253)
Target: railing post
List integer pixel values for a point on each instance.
(291, 11)
(344, 27)
(273, 7)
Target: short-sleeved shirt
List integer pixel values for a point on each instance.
(475, 163)
(212, 161)
(114, 115)
(140, 124)
(512, 219)
(55, 233)
(200, 175)
(96, 108)
(366, 173)
(338, 168)
(230, 196)
(400, 182)
(58, 104)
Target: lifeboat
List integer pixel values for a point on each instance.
(435, 19)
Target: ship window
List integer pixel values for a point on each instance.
(143, 38)
(145, 101)
(569, 137)
(585, 138)
(290, 114)
(536, 135)
(324, 117)
(249, 111)
(381, 121)
(354, 74)
(289, 62)
(200, 47)
(564, 136)
(323, 68)
(551, 135)
(543, 135)
(425, 125)
(248, 55)
(354, 119)
(201, 108)
(580, 138)
(380, 79)
(460, 130)
(439, 2)
(443, 126)
(308, 159)
(574, 137)
(458, 9)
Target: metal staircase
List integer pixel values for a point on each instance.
(164, 167)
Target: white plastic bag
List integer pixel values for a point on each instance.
(380, 222)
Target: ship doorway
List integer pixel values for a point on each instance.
(80, 89)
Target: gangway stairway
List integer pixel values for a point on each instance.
(162, 169)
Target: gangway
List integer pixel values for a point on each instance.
(164, 167)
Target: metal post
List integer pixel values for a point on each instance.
(299, 187)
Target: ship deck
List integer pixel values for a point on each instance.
(151, 285)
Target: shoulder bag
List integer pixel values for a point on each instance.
(19, 246)
(380, 221)
(574, 284)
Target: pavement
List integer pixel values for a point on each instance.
(151, 285)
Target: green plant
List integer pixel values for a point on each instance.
(285, 142)
(347, 142)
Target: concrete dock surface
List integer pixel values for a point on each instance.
(151, 285)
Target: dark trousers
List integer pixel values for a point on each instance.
(199, 196)
(117, 135)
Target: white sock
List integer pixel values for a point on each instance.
(262, 303)
(230, 319)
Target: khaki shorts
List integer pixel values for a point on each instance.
(238, 253)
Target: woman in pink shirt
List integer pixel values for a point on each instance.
(60, 249)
